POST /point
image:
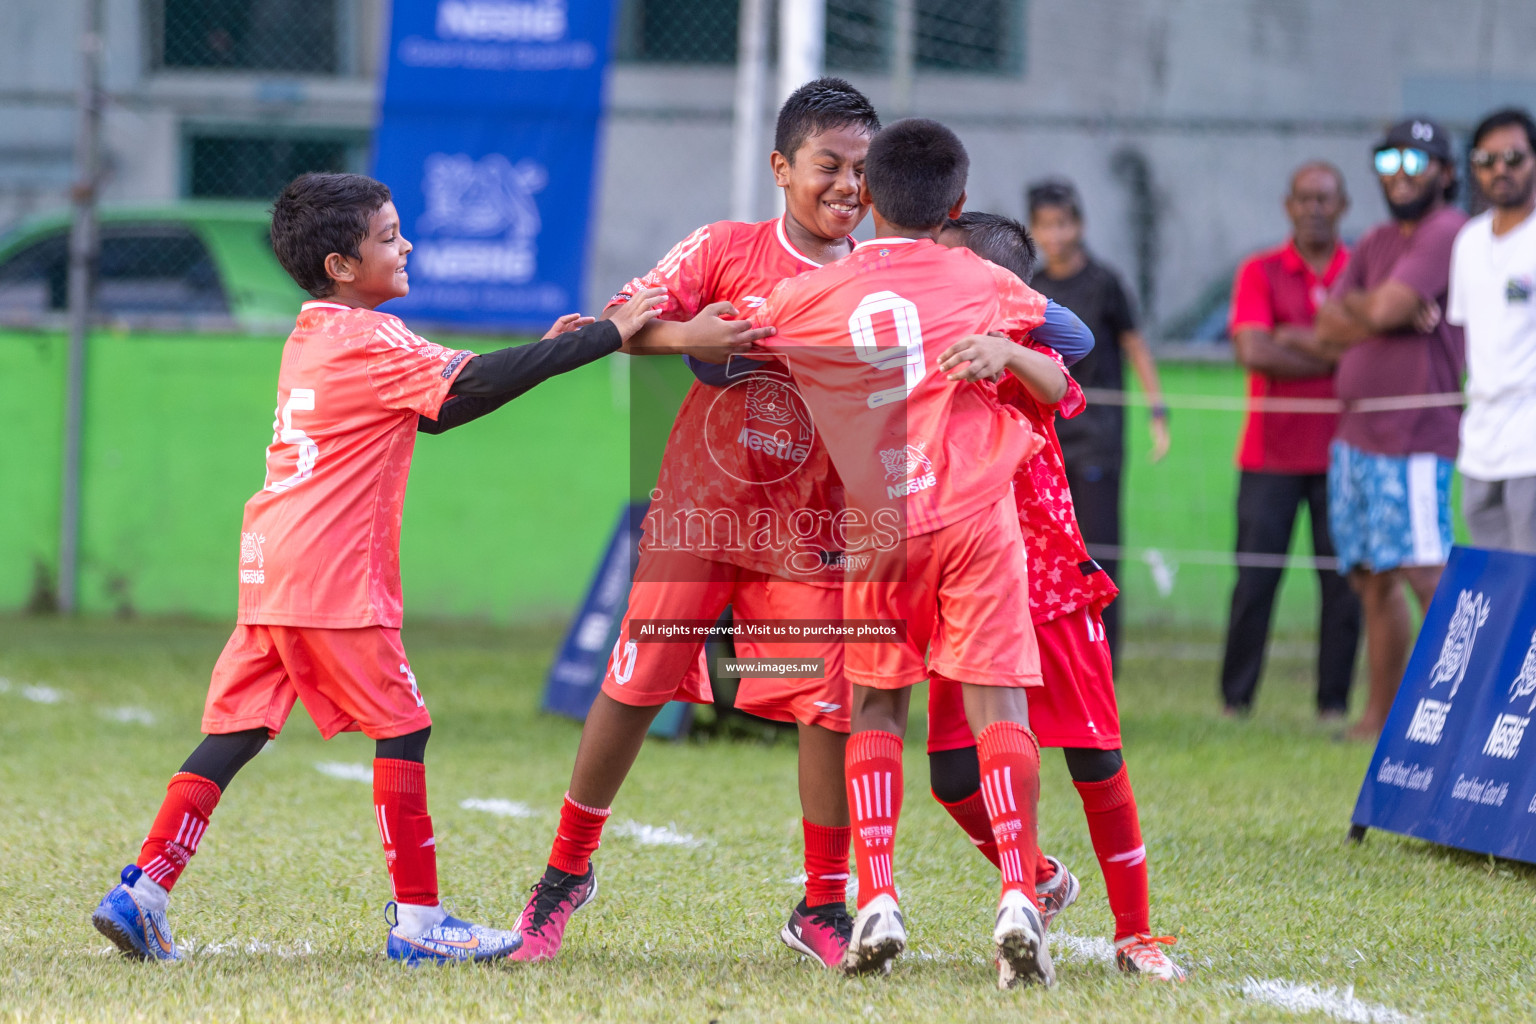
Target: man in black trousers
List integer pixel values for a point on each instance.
(1283, 456)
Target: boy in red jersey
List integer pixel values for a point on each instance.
(320, 602)
(935, 457)
(720, 529)
(1076, 708)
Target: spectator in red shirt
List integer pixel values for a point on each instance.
(1283, 456)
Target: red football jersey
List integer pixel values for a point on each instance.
(320, 542)
(863, 336)
(1062, 576)
(744, 478)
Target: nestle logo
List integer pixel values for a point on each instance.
(1504, 738)
(1428, 721)
(502, 21)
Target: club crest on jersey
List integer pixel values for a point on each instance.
(250, 551)
(910, 467)
(777, 422)
(1456, 652)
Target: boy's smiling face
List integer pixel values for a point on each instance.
(821, 185)
(378, 274)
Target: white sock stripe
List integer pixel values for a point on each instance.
(869, 807)
(888, 805)
(858, 803)
(1130, 858)
(383, 824)
(986, 795)
(186, 820)
(1008, 786)
(198, 828)
(834, 878)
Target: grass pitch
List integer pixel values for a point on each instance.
(1245, 821)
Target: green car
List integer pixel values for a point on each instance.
(204, 265)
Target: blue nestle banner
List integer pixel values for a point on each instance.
(488, 138)
(1456, 763)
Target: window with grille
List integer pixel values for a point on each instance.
(980, 36)
(245, 165)
(294, 36)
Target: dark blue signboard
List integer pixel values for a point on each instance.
(1456, 763)
(488, 139)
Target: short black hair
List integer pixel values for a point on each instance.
(916, 171)
(1056, 192)
(1503, 119)
(318, 214)
(818, 106)
(1000, 239)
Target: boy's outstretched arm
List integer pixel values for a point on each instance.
(490, 381)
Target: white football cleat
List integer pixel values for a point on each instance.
(1141, 954)
(879, 934)
(1022, 955)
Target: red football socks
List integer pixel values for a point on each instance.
(410, 849)
(577, 838)
(178, 828)
(1116, 833)
(1010, 785)
(826, 863)
(873, 769)
(971, 815)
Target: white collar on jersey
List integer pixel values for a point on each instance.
(897, 240)
(789, 247)
(318, 304)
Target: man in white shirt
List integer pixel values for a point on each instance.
(1493, 295)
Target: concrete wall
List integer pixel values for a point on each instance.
(1218, 100)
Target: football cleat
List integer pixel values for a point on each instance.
(448, 941)
(141, 932)
(879, 934)
(1058, 894)
(820, 932)
(556, 897)
(1140, 954)
(1022, 955)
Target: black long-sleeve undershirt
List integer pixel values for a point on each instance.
(490, 381)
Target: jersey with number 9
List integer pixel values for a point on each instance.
(320, 542)
(863, 338)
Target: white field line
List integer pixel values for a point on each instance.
(254, 947)
(1298, 998)
(344, 771)
(498, 807)
(37, 693)
(129, 716)
(654, 835)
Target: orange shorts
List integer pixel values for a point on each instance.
(822, 702)
(679, 585)
(966, 594)
(348, 679)
(1076, 706)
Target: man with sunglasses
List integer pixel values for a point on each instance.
(1493, 295)
(1389, 471)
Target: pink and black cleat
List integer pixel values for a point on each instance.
(821, 932)
(556, 897)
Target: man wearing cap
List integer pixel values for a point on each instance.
(1493, 295)
(1390, 463)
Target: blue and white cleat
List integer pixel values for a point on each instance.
(449, 941)
(127, 917)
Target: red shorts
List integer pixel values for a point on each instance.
(348, 679)
(679, 585)
(1076, 706)
(966, 593)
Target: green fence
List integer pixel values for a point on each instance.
(505, 519)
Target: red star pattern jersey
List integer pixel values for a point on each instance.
(320, 542)
(744, 478)
(915, 450)
(1062, 576)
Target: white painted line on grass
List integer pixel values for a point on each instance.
(253, 947)
(129, 716)
(655, 835)
(498, 807)
(37, 693)
(344, 771)
(5, 685)
(1298, 998)
(1092, 948)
